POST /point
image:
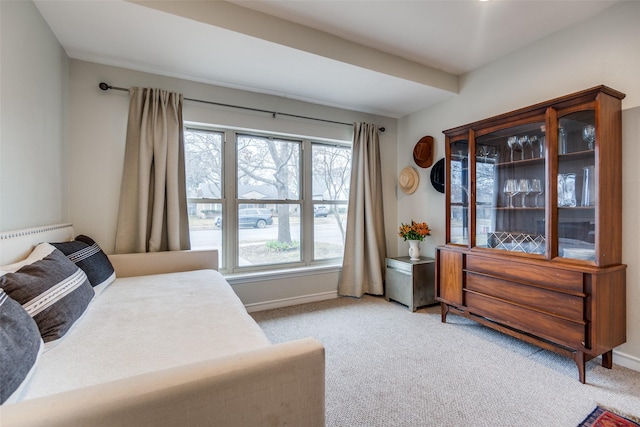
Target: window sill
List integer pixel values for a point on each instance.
(239, 278)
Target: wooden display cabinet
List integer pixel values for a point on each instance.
(534, 225)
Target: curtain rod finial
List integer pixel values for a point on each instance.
(104, 86)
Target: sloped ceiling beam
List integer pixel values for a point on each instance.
(277, 30)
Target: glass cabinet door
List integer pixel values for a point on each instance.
(576, 181)
(510, 188)
(459, 192)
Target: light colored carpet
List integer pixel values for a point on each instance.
(386, 366)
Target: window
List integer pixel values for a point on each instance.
(266, 201)
(331, 177)
(204, 180)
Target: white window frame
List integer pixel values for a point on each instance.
(230, 202)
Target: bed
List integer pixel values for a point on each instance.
(166, 342)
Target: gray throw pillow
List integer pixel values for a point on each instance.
(20, 346)
(53, 290)
(87, 255)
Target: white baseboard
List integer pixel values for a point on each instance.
(286, 302)
(626, 360)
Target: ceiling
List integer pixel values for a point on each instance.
(389, 57)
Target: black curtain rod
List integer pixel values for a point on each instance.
(106, 86)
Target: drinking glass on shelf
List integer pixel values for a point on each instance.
(483, 152)
(569, 180)
(562, 141)
(567, 190)
(511, 142)
(531, 142)
(536, 188)
(511, 189)
(524, 189)
(588, 186)
(541, 146)
(523, 141)
(493, 153)
(589, 135)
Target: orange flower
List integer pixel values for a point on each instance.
(414, 231)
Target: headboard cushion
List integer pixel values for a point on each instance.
(15, 245)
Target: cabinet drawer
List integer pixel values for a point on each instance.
(555, 329)
(552, 302)
(546, 276)
(395, 264)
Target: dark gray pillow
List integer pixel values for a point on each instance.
(53, 290)
(87, 255)
(20, 345)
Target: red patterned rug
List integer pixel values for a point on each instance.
(601, 417)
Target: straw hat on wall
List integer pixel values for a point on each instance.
(408, 180)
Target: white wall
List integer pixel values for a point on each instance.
(604, 50)
(59, 165)
(97, 129)
(33, 85)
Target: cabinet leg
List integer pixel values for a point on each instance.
(444, 309)
(607, 359)
(578, 357)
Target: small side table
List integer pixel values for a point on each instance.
(411, 283)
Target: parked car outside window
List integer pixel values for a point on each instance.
(320, 211)
(251, 217)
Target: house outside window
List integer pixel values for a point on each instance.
(266, 201)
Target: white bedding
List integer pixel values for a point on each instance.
(143, 324)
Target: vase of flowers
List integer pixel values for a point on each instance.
(414, 233)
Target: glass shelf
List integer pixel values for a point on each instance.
(517, 163)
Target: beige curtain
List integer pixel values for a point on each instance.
(365, 248)
(153, 203)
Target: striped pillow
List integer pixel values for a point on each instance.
(87, 255)
(53, 290)
(20, 346)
